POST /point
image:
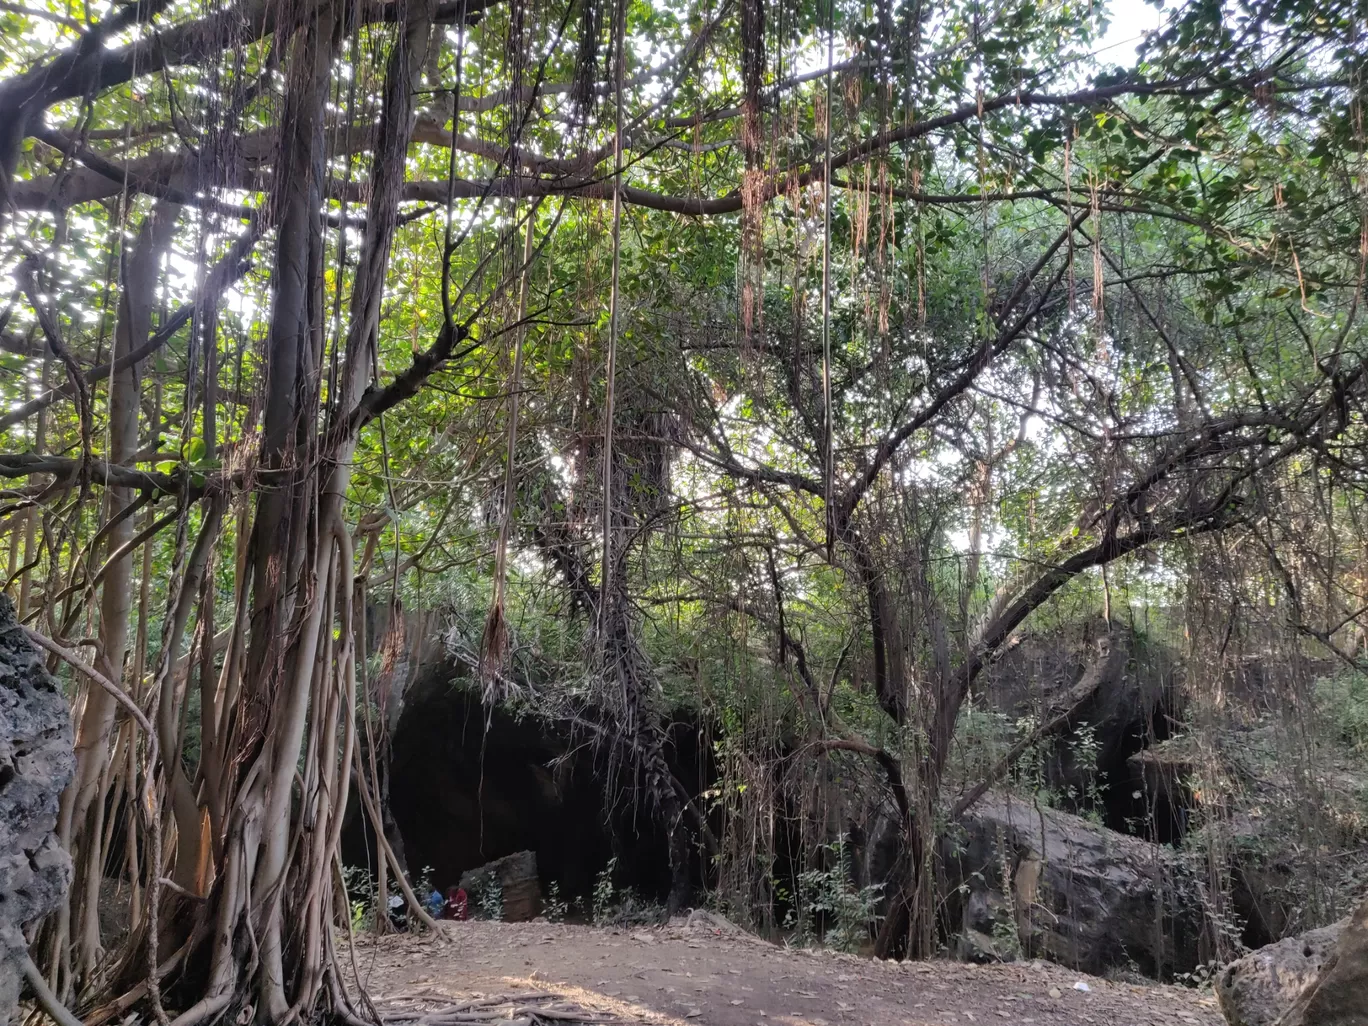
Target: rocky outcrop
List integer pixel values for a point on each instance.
(1041, 883)
(1135, 689)
(510, 883)
(1257, 990)
(36, 763)
(1339, 994)
(1132, 699)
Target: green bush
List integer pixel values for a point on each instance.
(555, 907)
(360, 897)
(849, 912)
(489, 901)
(1342, 700)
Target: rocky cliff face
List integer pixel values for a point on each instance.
(1136, 694)
(36, 763)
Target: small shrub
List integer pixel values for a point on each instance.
(849, 912)
(621, 906)
(1006, 936)
(1343, 701)
(360, 897)
(1201, 976)
(555, 908)
(489, 901)
(603, 893)
(424, 885)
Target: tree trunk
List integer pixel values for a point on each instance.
(83, 802)
(298, 674)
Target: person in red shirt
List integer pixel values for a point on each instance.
(457, 904)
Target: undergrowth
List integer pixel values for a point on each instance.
(830, 909)
(621, 906)
(1342, 700)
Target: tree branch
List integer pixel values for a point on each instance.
(223, 274)
(28, 464)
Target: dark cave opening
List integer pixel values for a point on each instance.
(1114, 764)
(1147, 793)
(469, 785)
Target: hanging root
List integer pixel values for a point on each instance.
(493, 646)
(47, 1000)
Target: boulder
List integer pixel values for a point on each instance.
(1135, 683)
(1042, 883)
(515, 877)
(1339, 994)
(1258, 989)
(36, 763)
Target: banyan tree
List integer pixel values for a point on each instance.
(303, 299)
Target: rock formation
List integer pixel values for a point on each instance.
(514, 879)
(1258, 990)
(1338, 996)
(1043, 883)
(36, 763)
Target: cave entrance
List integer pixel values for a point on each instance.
(1118, 762)
(468, 786)
(1148, 774)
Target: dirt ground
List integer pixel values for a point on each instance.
(704, 973)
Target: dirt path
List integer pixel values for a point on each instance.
(700, 976)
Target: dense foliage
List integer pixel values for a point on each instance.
(792, 359)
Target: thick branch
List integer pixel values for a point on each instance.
(1012, 611)
(88, 68)
(27, 464)
(376, 401)
(116, 692)
(989, 350)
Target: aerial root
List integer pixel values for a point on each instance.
(545, 1009)
(47, 1000)
(462, 1006)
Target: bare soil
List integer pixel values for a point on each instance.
(707, 973)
